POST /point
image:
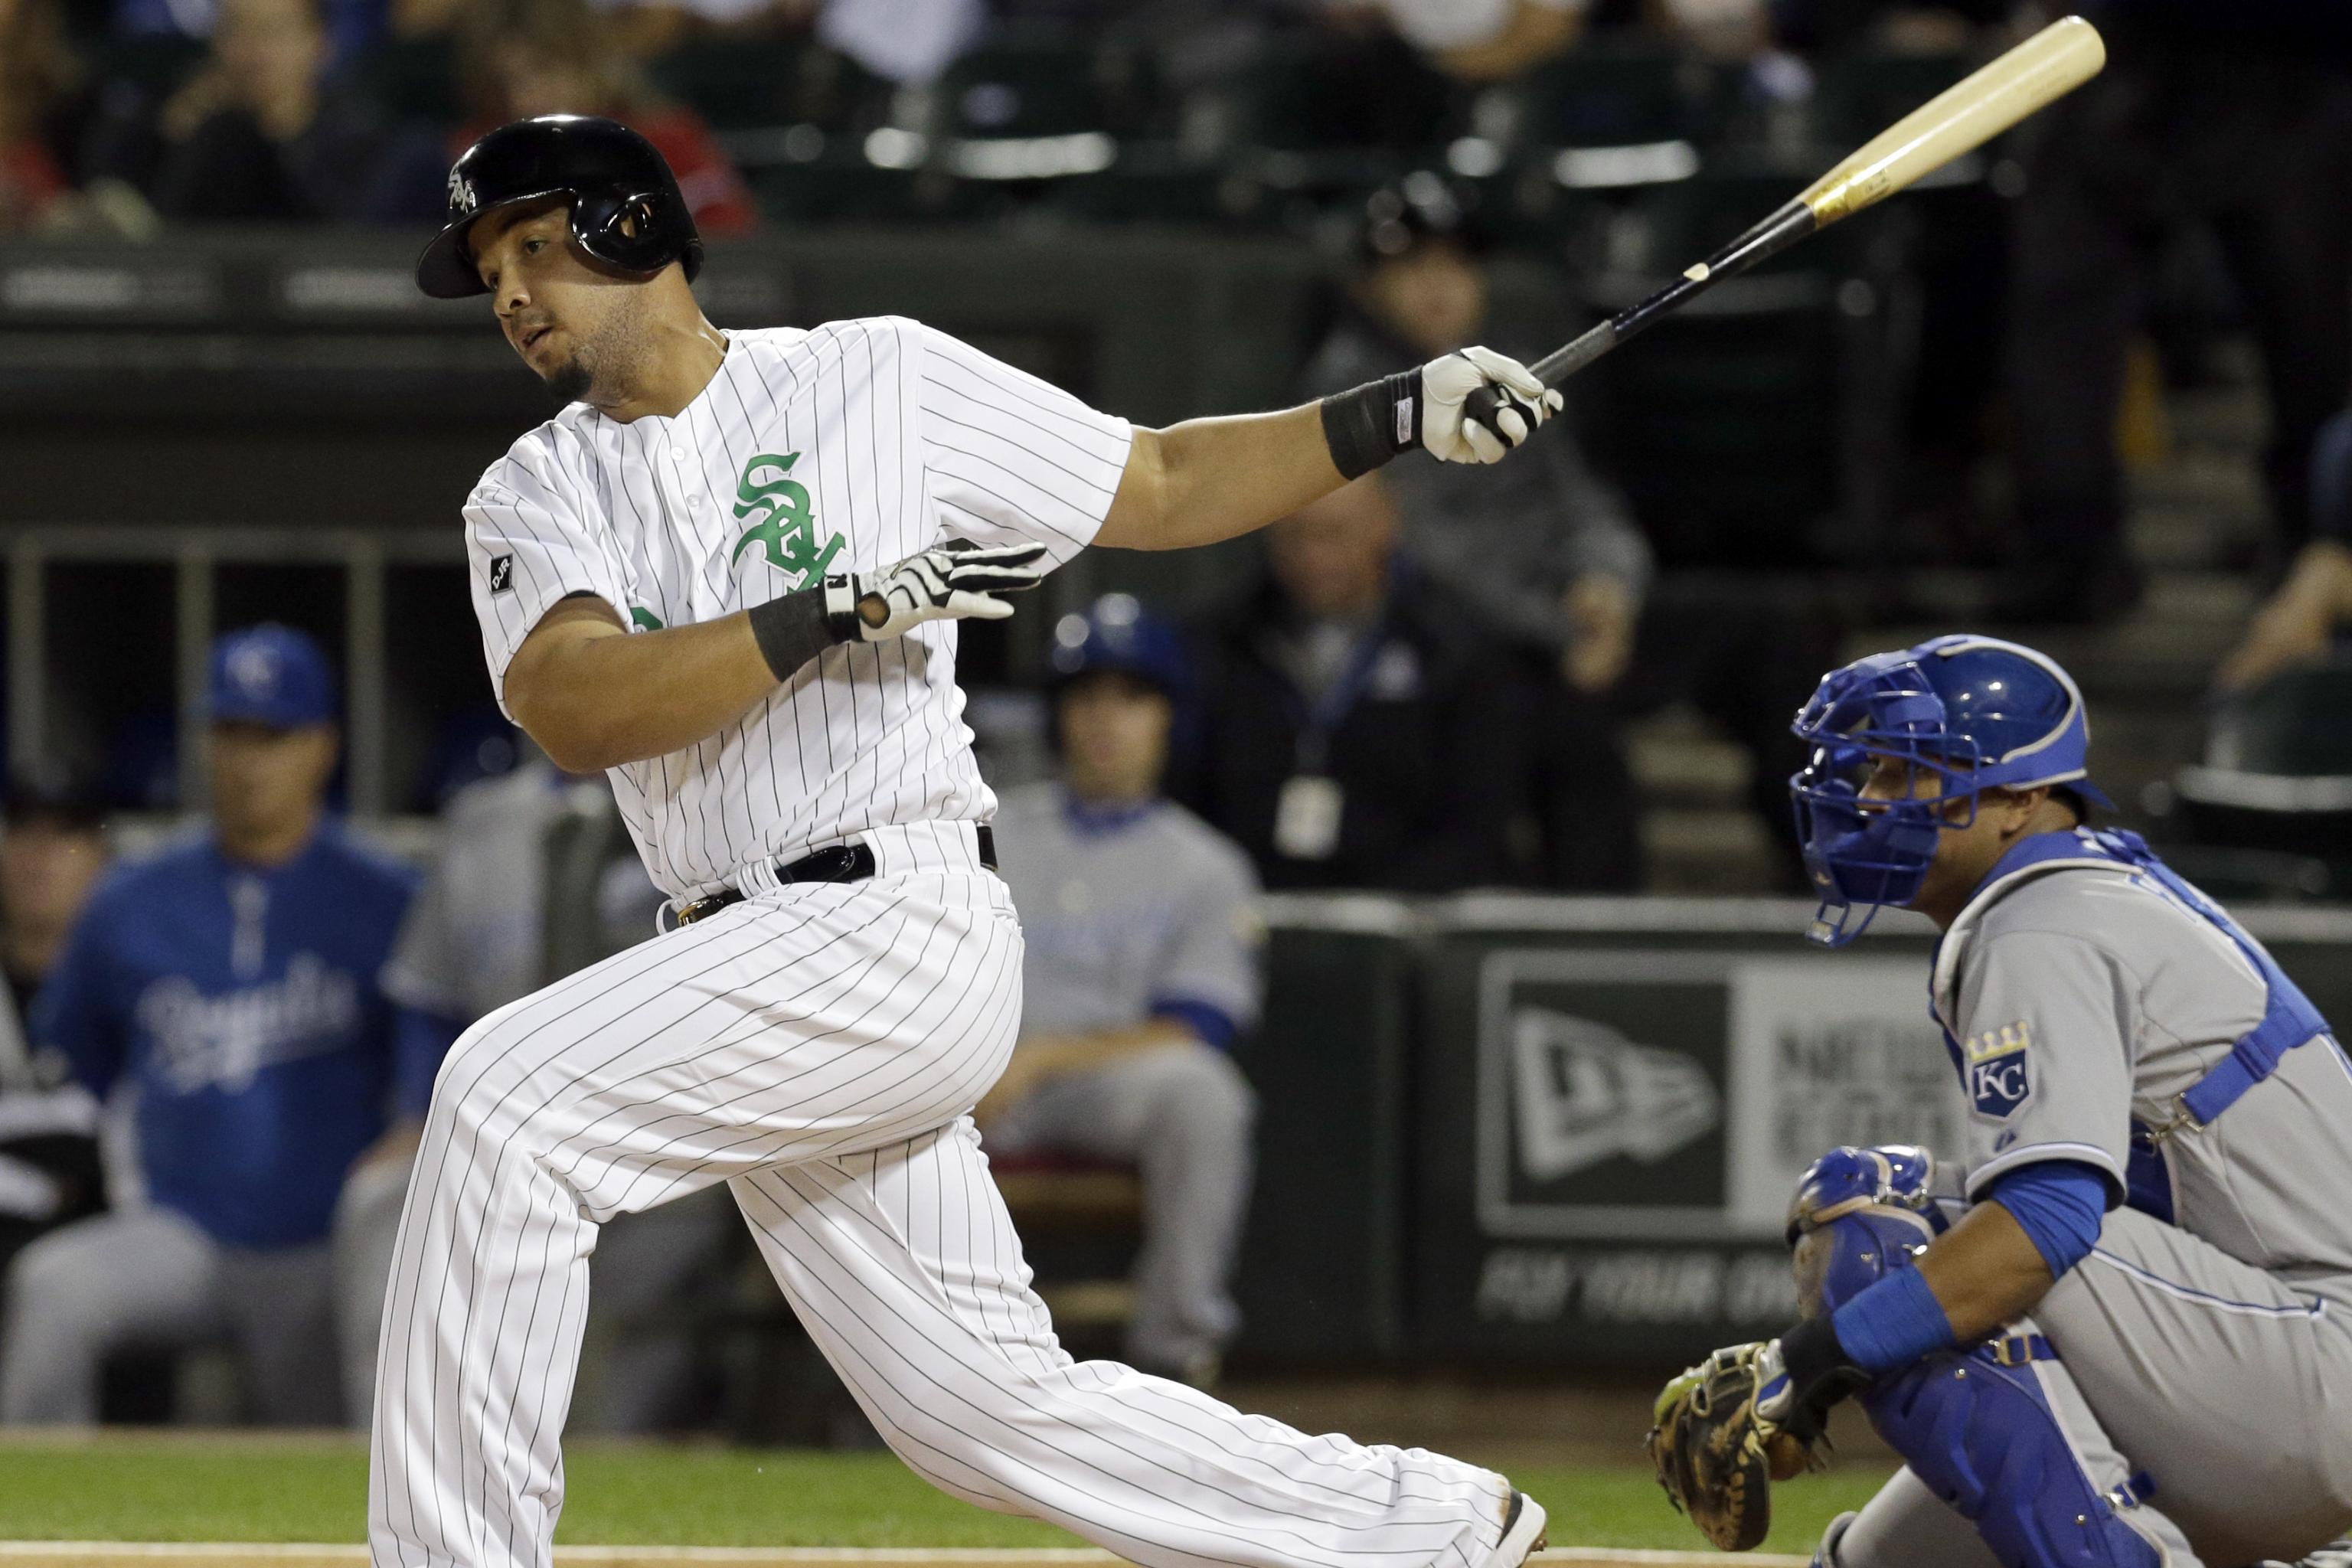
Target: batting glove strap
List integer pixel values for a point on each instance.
(1372, 424)
(795, 628)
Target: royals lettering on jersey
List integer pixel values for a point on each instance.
(843, 448)
(244, 1005)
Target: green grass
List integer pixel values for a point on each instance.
(164, 1489)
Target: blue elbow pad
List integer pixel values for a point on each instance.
(2060, 1204)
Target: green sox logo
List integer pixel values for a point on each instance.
(786, 528)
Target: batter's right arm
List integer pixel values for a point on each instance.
(1208, 480)
(594, 695)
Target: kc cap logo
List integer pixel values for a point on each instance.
(2000, 1080)
(254, 668)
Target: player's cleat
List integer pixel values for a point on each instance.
(2337, 1554)
(1523, 1533)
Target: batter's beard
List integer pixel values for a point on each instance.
(569, 382)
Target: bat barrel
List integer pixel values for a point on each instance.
(1963, 117)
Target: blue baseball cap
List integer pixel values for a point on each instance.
(272, 675)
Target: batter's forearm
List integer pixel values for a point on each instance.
(1210, 480)
(595, 697)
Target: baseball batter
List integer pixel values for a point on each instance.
(729, 573)
(2124, 1334)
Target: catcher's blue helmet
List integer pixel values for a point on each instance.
(1118, 634)
(1974, 711)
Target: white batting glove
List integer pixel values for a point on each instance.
(953, 581)
(1447, 385)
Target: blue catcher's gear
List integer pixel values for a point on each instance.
(1972, 712)
(1980, 1431)
(1119, 635)
(1858, 1214)
(1891, 1175)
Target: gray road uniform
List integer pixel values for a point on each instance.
(2101, 1010)
(478, 937)
(1148, 913)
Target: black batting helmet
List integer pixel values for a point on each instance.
(608, 173)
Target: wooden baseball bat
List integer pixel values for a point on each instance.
(1963, 117)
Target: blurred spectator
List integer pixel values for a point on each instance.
(1358, 721)
(526, 58)
(350, 25)
(2298, 624)
(51, 854)
(2237, 117)
(1477, 40)
(1551, 558)
(39, 90)
(1142, 970)
(230, 982)
(1546, 550)
(535, 880)
(267, 130)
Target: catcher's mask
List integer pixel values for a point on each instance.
(1969, 713)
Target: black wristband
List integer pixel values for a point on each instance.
(800, 625)
(1820, 1371)
(1372, 424)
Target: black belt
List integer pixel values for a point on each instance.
(852, 862)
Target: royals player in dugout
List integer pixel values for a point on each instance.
(728, 574)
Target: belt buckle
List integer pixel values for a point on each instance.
(708, 904)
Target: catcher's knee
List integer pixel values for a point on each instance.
(1980, 1431)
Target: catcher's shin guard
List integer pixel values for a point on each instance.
(1980, 1430)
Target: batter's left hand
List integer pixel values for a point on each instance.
(1457, 427)
(956, 582)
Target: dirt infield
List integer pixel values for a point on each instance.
(118, 1554)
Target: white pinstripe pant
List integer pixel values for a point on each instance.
(817, 1048)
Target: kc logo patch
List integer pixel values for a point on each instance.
(1999, 1078)
(501, 573)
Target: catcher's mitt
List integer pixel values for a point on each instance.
(1717, 1454)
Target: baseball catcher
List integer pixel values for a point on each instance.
(2115, 1329)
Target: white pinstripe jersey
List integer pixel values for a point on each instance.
(843, 449)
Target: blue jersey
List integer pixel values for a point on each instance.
(242, 1003)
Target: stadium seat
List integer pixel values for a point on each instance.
(1604, 94)
(742, 81)
(1314, 98)
(2278, 771)
(1741, 430)
(843, 187)
(1079, 1221)
(1861, 91)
